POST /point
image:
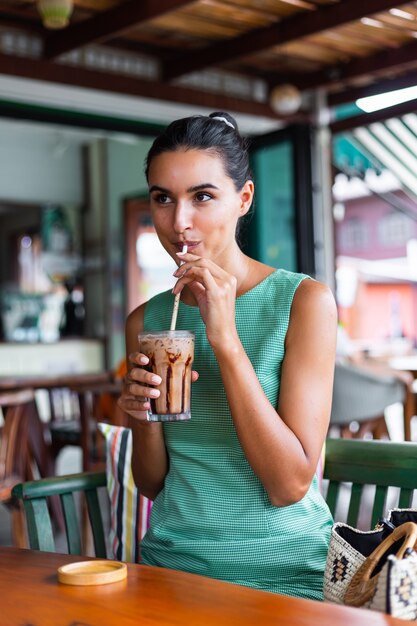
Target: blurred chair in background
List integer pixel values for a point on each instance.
(360, 398)
(75, 411)
(24, 452)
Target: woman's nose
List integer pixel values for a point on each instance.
(182, 217)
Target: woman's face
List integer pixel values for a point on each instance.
(194, 202)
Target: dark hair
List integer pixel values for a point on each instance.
(216, 133)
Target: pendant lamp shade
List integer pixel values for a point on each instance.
(55, 13)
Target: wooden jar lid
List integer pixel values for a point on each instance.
(92, 572)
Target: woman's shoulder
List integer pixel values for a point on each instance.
(138, 314)
(135, 317)
(314, 297)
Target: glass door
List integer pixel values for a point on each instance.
(280, 230)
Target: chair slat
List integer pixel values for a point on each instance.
(34, 495)
(39, 525)
(362, 462)
(71, 523)
(354, 504)
(378, 509)
(332, 496)
(96, 522)
(406, 498)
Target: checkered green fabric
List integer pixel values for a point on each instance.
(213, 516)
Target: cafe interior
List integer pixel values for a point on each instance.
(325, 91)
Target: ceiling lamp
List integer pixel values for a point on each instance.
(285, 99)
(55, 13)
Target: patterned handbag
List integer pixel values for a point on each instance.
(375, 569)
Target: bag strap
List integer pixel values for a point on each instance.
(362, 585)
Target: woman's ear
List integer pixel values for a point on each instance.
(246, 197)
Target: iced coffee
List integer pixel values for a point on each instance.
(171, 354)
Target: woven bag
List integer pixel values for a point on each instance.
(375, 569)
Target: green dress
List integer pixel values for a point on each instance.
(213, 516)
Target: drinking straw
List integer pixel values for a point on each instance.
(177, 299)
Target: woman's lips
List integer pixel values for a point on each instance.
(191, 245)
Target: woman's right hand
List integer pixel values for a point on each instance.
(138, 387)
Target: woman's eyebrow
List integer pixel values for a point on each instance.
(157, 188)
(200, 187)
(189, 190)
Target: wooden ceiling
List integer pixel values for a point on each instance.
(349, 48)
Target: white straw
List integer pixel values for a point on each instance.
(177, 299)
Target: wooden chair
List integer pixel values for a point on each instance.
(75, 411)
(35, 496)
(383, 464)
(24, 454)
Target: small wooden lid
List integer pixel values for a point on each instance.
(92, 572)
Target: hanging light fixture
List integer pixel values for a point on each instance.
(285, 99)
(55, 13)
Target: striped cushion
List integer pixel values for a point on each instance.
(129, 511)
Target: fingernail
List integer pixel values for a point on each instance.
(143, 359)
(156, 379)
(180, 253)
(154, 393)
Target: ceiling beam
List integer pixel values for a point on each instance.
(290, 29)
(18, 19)
(109, 23)
(350, 95)
(369, 118)
(37, 69)
(379, 62)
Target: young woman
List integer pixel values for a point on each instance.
(236, 497)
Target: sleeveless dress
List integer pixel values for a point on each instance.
(213, 516)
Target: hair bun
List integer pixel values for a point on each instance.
(225, 118)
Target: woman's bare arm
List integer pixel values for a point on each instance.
(283, 445)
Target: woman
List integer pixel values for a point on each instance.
(235, 492)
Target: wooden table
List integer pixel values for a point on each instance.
(8, 383)
(88, 387)
(31, 594)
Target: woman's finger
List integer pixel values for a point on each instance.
(197, 261)
(143, 376)
(134, 406)
(137, 358)
(142, 391)
(197, 274)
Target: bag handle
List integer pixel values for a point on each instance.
(362, 585)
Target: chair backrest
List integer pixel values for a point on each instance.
(36, 495)
(75, 412)
(15, 459)
(360, 394)
(383, 464)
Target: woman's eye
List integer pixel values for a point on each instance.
(162, 198)
(203, 196)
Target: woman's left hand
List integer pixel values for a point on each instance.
(215, 292)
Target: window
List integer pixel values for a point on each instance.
(394, 229)
(354, 235)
